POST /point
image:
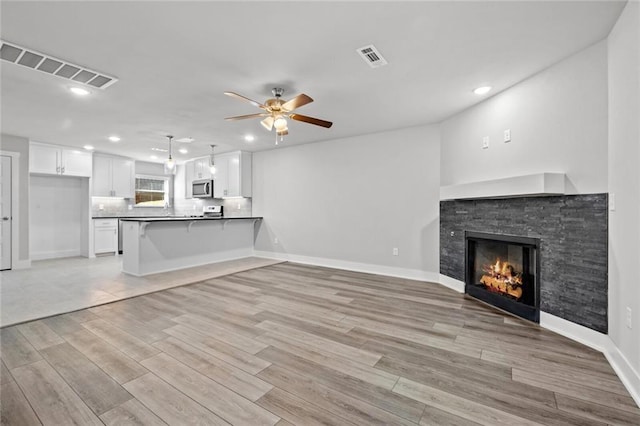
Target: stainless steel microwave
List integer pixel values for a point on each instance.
(202, 188)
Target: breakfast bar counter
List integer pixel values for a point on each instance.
(160, 244)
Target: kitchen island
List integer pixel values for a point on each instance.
(160, 244)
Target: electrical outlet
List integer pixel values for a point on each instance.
(100, 206)
(629, 319)
(485, 142)
(395, 251)
(239, 206)
(275, 240)
(507, 135)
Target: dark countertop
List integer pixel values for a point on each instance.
(183, 218)
(133, 217)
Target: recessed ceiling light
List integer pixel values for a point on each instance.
(79, 91)
(482, 90)
(249, 138)
(154, 157)
(114, 138)
(88, 147)
(183, 151)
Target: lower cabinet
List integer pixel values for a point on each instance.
(105, 236)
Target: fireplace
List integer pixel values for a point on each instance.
(504, 270)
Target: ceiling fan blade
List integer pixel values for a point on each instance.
(267, 123)
(311, 120)
(242, 117)
(297, 102)
(255, 103)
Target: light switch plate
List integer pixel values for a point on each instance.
(612, 202)
(507, 135)
(485, 142)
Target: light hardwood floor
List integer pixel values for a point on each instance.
(294, 344)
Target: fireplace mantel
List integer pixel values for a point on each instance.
(539, 184)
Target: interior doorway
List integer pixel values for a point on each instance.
(5, 212)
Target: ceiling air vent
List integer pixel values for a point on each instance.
(371, 56)
(13, 53)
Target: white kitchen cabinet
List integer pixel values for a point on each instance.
(113, 176)
(233, 175)
(201, 169)
(59, 160)
(105, 236)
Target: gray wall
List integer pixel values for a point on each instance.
(558, 122)
(624, 183)
(21, 145)
(352, 199)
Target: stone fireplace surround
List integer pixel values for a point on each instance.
(573, 247)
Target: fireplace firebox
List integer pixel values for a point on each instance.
(504, 270)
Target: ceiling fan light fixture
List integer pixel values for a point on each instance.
(267, 123)
(280, 124)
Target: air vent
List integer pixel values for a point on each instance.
(185, 140)
(371, 56)
(13, 53)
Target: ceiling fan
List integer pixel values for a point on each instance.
(277, 110)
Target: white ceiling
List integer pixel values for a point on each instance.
(174, 60)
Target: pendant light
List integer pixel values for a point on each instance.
(170, 164)
(212, 167)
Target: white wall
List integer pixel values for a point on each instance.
(21, 145)
(624, 182)
(57, 216)
(558, 122)
(353, 199)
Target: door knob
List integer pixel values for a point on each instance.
(5, 218)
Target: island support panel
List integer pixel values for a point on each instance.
(161, 246)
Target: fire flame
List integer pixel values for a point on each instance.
(502, 277)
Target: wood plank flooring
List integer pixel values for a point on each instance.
(290, 344)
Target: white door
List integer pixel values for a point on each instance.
(5, 213)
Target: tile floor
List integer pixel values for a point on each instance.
(57, 286)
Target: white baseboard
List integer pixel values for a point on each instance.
(452, 283)
(390, 271)
(231, 257)
(21, 264)
(600, 342)
(573, 331)
(586, 336)
(629, 377)
(44, 255)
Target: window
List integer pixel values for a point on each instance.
(152, 191)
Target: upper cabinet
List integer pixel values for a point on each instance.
(201, 168)
(233, 175)
(59, 160)
(113, 176)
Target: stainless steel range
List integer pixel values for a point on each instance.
(212, 211)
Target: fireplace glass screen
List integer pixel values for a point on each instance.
(501, 270)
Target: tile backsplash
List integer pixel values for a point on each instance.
(110, 207)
